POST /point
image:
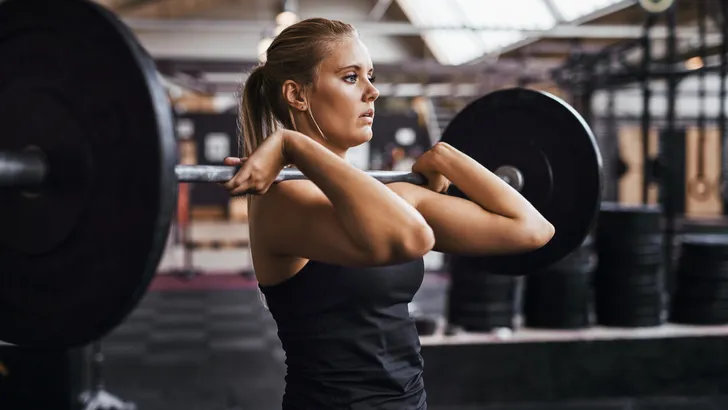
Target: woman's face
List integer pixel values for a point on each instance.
(342, 98)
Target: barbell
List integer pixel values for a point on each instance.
(89, 174)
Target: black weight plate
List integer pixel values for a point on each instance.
(553, 147)
(481, 307)
(692, 266)
(633, 321)
(76, 257)
(629, 218)
(487, 295)
(713, 246)
(463, 268)
(580, 263)
(698, 316)
(702, 289)
(557, 320)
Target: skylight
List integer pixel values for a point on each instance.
(458, 31)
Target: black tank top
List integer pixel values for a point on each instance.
(349, 341)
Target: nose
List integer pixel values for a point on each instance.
(371, 94)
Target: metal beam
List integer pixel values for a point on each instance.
(168, 9)
(115, 5)
(379, 9)
(236, 27)
(554, 10)
(613, 8)
(558, 47)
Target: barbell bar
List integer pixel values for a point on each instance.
(28, 168)
(89, 174)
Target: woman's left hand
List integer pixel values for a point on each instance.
(426, 165)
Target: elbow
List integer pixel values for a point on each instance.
(408, 244)
(537, 233)
(418, 241)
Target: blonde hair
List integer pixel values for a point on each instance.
(295, 54)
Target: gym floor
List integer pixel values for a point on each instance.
(208, 343)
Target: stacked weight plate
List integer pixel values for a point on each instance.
(561, 297)
(629, 283)
(479, 301)
(701, 292)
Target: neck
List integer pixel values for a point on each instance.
(307, 127)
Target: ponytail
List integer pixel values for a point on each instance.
(256, 114)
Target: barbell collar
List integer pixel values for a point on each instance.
(22, 169)
(511, 175)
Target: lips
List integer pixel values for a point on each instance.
(368, 114)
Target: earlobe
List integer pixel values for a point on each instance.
(293, 93)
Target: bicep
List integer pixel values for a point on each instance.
(300, 221)
(462, 226)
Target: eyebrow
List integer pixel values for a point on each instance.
(354, 66)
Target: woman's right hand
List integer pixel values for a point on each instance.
(258, 171)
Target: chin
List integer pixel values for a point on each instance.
(361, 137)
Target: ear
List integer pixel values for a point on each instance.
(294, 95)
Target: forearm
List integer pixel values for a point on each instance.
(375, 217)
(481, 185)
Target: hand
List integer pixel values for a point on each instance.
(259, 171)
(426, 165)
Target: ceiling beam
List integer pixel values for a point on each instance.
(613, 8)
(198, 67)
(554, 10)
(168, 9)
(379, 9)
(234, 27)
(115, 5)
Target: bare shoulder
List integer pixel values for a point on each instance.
(269, 214)
(282, 196)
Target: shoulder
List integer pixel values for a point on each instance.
(284, 203)
(283, 195)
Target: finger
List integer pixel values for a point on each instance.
(239, 178)
(232, 161)
(242, 189)
(236, 181)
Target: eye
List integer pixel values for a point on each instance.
(372, 79)
(351, 78)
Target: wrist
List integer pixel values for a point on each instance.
(443, 155)
(288, 146)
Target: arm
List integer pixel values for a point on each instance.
(497, 219)
(342, 215)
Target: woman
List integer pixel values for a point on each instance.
(339, 256)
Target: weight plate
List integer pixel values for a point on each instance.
(557, 320)
(616, 217)
(555, 151)
(77, 256)
(698, 315)
(697, 288)
(714, 247)
(627, 321)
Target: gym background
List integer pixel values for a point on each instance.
(649, 78)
